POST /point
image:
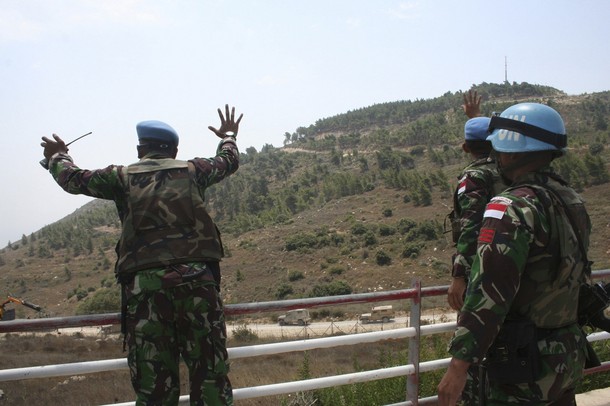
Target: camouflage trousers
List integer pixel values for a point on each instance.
(562, 363)
(164, 324)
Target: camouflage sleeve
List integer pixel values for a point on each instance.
(212, 170)
(101, 183)
(511, 226)
(471, 198)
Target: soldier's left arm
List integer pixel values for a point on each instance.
(209, 171)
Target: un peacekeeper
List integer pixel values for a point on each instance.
(477, 184)
(168, 259)
(520, 311)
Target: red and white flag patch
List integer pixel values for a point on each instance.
(462, 186)
(495, 210)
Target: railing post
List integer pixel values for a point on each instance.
(415, 321)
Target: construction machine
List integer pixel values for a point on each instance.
(9, 314)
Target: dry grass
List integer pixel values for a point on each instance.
(112, 387)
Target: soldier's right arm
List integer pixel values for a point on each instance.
(104, 183)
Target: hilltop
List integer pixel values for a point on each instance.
(352, 203)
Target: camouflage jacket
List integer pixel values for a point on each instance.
(160, 202)
(477, 184)
(528, 264)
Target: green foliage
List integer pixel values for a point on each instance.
(412, 249)
(427, 230)
(302, 240)
(369, 239)
(372, 393)
(334, 288)
(600, 379)
(244, 334)
(386, 230)
(295, 276)
(359, 229)
(108, 282)
(104, 300)
(283, 290)
(596, 148)
(67, 274)
(405, 225)
(383, 258)
(336, 270)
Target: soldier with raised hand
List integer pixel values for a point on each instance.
(477, 184)
(168, 258)
(520, 312)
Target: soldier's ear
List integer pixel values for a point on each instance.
(141, 151)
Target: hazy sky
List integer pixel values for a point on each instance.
(74, 66)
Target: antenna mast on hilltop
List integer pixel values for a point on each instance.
(505, 70)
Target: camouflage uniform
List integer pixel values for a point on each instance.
(168, 264)
(528, 267)
(477, 184)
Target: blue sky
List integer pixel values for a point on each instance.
(74, 66)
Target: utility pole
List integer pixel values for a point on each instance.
(505, 70)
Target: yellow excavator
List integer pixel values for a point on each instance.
(9, 314)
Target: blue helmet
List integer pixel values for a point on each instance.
(157, 131)
(527, 127)
(476, 129)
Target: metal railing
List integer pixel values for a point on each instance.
(412, 333)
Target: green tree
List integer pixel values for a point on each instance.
(104, 300)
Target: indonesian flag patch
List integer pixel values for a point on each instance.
(462, 186)
(495, 209)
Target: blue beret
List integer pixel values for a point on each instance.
(476, 129)
(158, 131)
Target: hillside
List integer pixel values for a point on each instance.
(352, 203)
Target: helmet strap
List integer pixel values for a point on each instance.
(555, 139)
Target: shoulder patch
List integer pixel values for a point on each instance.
(462, 186)
(495, 209)
(486, 235)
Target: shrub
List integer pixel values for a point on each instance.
(370, 239)
(244, 334)
(283, 290)
(386, 230)
(336, 270)
(104, 300)
(359, 229)
(301, 240)
(295, 276)
(331, 289)
(382, 258)
(405, 225)
(412, 250)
